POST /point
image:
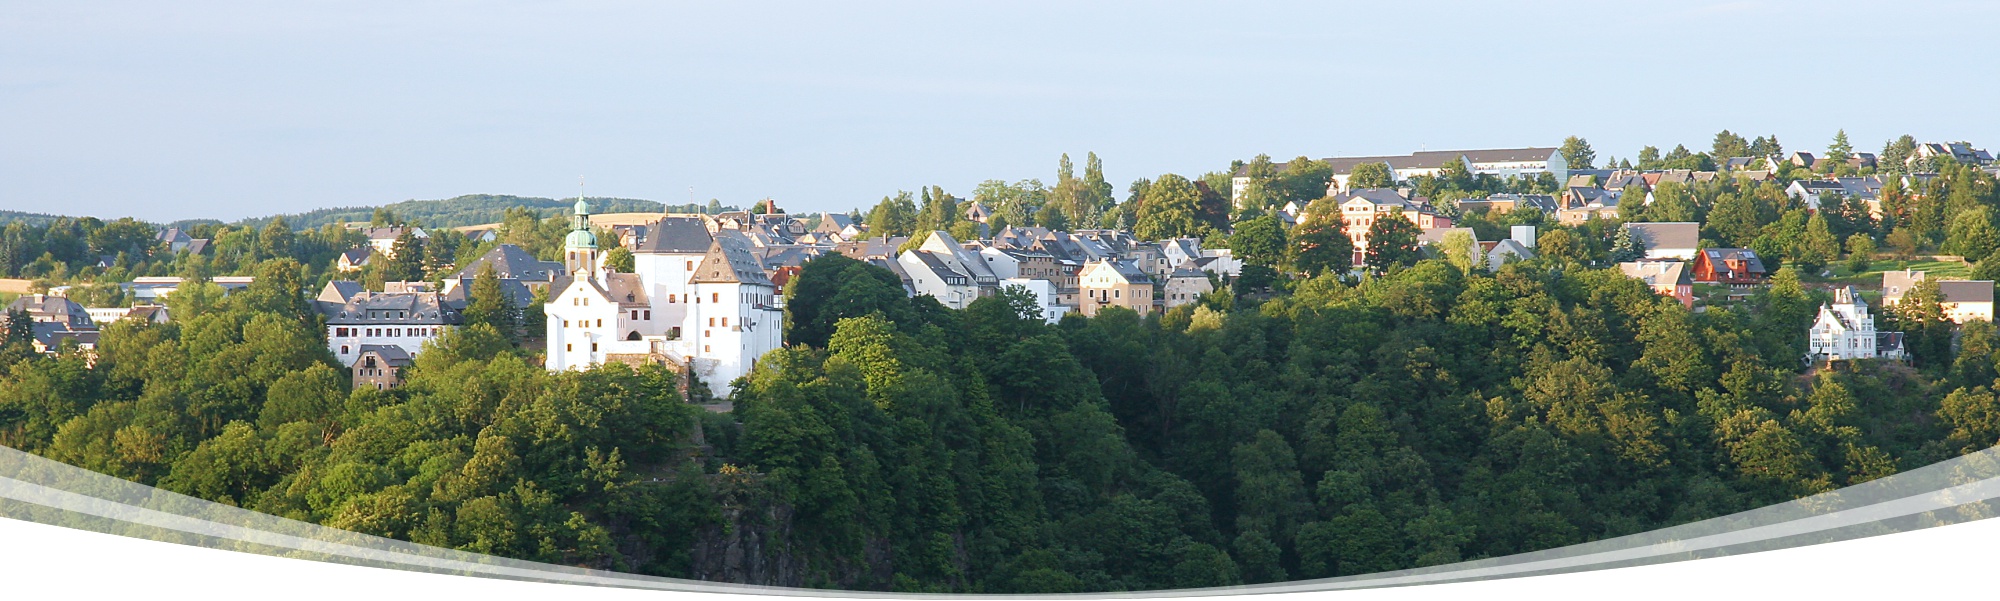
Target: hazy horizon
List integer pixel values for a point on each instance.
(228, 111)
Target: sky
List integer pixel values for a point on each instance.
(192, 109)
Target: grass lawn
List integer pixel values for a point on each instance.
(1873, 277)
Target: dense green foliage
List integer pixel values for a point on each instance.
(1316, 422)
(1419, 417)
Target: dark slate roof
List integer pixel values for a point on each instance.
(942, 269)
(52, 307)
(676, 235)
(51, 334)
(1966, 291)
(515, 291)
(355, 256)
(384, 233)
(1682, 234)
(338, 291)
(512, 262)
(789, 256)
(398, 308)
(391, 354)
(730, 258)
(1378, 196)
(1718, 259)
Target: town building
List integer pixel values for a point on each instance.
(511, 264)
(1845, 331)
(54, 309)
(1114, 283)
(698, 301)
(944, 269)
(383, 239)
(1962, 300)
(353, 259)
(1045, 293)
(1184, 286)
(1667, 278)
(380, 366)
(1504, 162)
(155, 289)
(1735, 267)
(404, 315)
(1668, 240)
(1359, 210)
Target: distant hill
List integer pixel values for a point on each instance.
(7, 217)
(471, 209)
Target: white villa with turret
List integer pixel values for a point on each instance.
(698, 301)
(1845, 331)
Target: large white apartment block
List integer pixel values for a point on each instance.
(698, 300)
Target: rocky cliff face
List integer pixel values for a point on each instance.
(749, 548)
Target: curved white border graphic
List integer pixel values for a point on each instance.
(44, 491)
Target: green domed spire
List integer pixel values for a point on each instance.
(579, 234)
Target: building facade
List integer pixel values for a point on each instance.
(698, 300)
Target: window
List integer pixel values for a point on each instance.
(343, 349)
(714, 297)
(690, 266)
(569, 347)
(649, 314)
(711, 322)
(725, 322)
(704, 348)
(673, 298)
(593, 347)
(600, 323)
(1118, 294)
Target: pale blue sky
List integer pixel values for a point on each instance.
(172, 110)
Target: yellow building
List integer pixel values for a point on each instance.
(1114, 283)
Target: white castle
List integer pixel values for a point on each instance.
(698, 300)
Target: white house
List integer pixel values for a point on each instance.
(384, 238)
(1844, 330)
(698, 300)
(945, 270)
(1045, 295)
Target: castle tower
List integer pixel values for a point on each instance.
(580, 247)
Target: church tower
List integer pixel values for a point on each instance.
(580, 247)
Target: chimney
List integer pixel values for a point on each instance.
(1524, 234)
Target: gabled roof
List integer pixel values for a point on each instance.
(730, 259)
(391, 308)
(1669, 234)
(50, 335)
(338, 291)
(676, 235)
(1719, 258)
(1658, 273)
(356, 256)
(1966, 291)
(513, 262)
(390, 354)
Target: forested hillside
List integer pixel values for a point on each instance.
(1420, 417)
